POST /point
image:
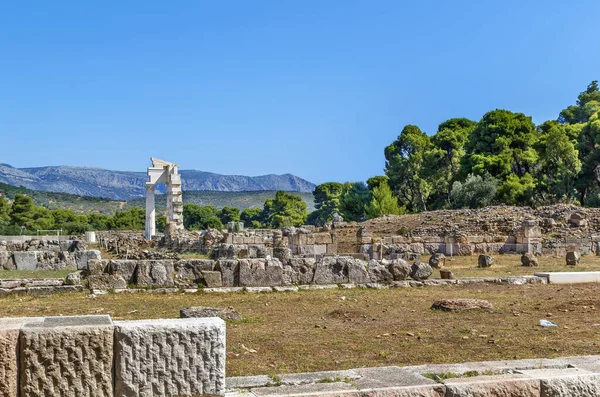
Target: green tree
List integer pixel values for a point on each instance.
(588, 103)
(501, 144)
(4, 211)
(383, 202)
(99, 221)
(196, 217)
(404, 167)
(229, 214)
(517, 190)
(284, 210)
(132, 219)
(352, 204)
(375, 181)
(589, 155)
(327, 201)
(251, 217)
(475, 192)
(559, 160)
(24, 213)
(442, 160)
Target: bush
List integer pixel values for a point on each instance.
(474, 192)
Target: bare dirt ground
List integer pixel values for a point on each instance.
(340, 329)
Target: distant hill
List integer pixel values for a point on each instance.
(128, 185)
(87, 205)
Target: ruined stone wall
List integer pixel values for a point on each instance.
(44, 254)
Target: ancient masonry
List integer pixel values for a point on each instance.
(92, 356)
(167, 173)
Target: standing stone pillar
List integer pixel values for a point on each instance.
(150, 212)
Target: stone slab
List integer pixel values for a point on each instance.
(9, 353)
(258, 289)
(318, 389)
(246, 382)
(319, 377)
(570, 277)
(510, 385)
(224, 290)
(382, 377)
(25, 260)
(314, 287)
(566, 382)
(82, 257)
(289, 288)
(67, 356)
(182, 357)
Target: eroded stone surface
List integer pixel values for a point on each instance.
(67, 356)
(493, 386)
(184, 357)
(461, 304)
(9, 352)
(202, 311)
(154, 273)
(82, 258)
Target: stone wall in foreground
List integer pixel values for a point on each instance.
(92, 356)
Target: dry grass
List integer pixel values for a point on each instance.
(510, 265)
(339, 329)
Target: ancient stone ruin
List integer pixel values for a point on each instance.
(167, 173)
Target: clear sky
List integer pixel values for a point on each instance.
(316, 88)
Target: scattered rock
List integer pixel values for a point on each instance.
(573, 258)
(73, 279)
(530, 260)
(400, 269)
(437, 260)
(446, 274)
(485, 261)
(420, 271)
(461, 304)
(201, 311)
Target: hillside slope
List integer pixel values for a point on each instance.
(128, 185)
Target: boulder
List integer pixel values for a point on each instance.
(573, 258)
(461, 304)
(212, 279)
(420, 271)
(379, 272)
(201, 311)
(437, 260)
(485, 261)
(106, 282)
(357, 272)
(157, 273)
(446, 274)
(400, 269)
(530, 260)
(73, 278)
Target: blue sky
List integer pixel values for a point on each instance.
(313, 88)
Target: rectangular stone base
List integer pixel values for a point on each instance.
(570, 277)
(183, 357)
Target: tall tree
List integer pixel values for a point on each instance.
(588, 103)
(353, 201)
(327, 201)
(285, 209)
(383, 203)
(196, 217)
(404, 167)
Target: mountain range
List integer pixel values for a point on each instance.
(129, 185)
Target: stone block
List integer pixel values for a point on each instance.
(357, 272)
(493, 386)
(9, 353)
(191, 270)
(67, 356)
(260, 273)
(6, 261)
(320, 249)
(331, 270)
(230, 272)
(25, 260)
(212, 279)
(573, 258)
(566, 382)
(158, 273)
(123, 267)
(184, 357)
(106, 282)
(96, 267)
(82, 258)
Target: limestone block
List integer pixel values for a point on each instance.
(260, 273)
(106, 282)
(320, 249)
(96, 267)
(183, 357)
(566, 382)
(322, 238)
(212, 279)
(82, 257)
(300, 270)
(493, 386)
(357, 272)
(123, 267)
(192, 270)
(6, 261)
(154, 273)
(25, 260)
(331, 270)
(9, 351)
(230, 272)
(67, 356)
